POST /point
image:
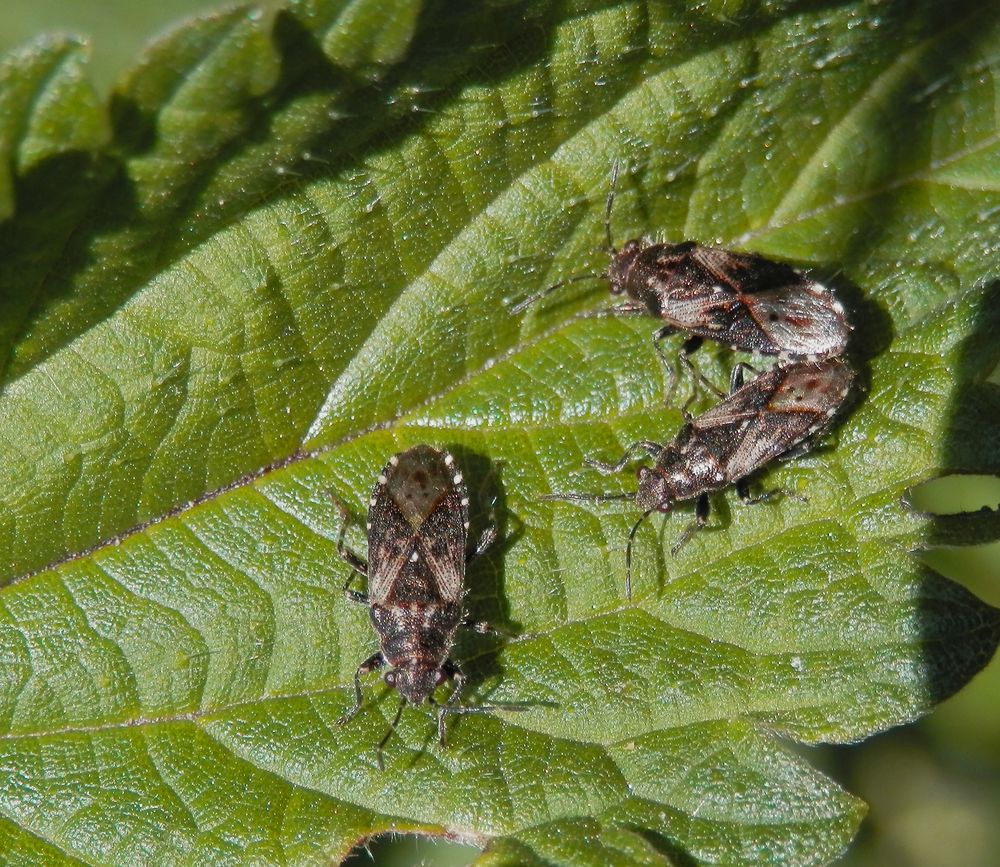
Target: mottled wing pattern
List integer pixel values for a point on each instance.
(772, 308)
(390, 541)
(804, 321)
(774, 412)
(443, 541)
(727, 426)
(820, 387)
(700, 293)
(417, 525)
(690, 298)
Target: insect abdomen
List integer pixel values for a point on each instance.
(421, 634)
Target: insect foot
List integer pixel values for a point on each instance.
(418, 524)
(781, 409)
(741, 300)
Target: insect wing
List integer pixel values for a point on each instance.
(418, 518)
(818, 389)
(727, 428)
(442, 543)
(756, 304)
(803, 320)
(775, 412)
(390, 542)
(682, 291)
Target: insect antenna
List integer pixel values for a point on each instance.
(628, 552)
(587, 498)
(466, 709)
(615, 168)
(607, 498)
(524, 303)
(385, 738)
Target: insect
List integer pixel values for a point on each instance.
(742, 300)
(418, 522)
(774, 414)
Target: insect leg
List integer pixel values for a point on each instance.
(669, 364)
(385, 738)
(451, 706)
(346, 554)
(488, 537)
(701, 510)
(457, 677)
(748, 499)
(355, 595)
(814, 442)
(737, 377)
(698, 379)
(648, 446)
(802, 448)
(481, 626)
(373, 663)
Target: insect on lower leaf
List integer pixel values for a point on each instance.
(418, 523)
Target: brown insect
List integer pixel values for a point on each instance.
(418, 523)
(777, 413)
(741, 300)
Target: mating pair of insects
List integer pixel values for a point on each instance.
(418, 518)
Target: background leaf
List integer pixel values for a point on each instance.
(286, 251)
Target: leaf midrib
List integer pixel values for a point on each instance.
(636, 605)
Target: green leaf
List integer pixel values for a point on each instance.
(287, 249)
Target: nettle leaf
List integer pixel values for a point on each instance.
(288, 248)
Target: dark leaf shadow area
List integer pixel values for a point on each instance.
(971, 445)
